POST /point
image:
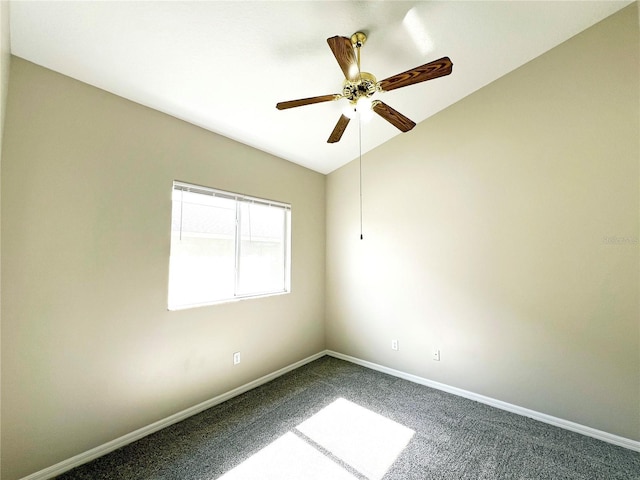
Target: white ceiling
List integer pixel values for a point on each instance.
(224, 65)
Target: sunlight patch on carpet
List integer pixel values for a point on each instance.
(363, 439)
(288, 458)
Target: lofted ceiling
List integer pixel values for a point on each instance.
(223, 65)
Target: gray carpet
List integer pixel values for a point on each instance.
(335, 420)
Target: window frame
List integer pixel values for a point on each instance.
(239, 200)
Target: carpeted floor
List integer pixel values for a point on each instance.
(334, 420)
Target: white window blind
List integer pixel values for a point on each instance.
(226, 246)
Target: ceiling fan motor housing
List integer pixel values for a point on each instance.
(365, 86)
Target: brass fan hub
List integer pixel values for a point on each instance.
(365, 86)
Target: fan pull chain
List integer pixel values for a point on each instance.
(360, 145)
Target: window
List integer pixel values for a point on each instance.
(226, 246)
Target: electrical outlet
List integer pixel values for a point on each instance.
(394, 344)
(436, 355)
(236, 358)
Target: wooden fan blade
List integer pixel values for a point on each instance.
(336, 135)
(343, 51)
(428, 71)
(306, 101)
(392, 116)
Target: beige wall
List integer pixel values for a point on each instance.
(90, 351)
(484, 236)
(5, 60)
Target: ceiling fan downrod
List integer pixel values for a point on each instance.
(365, 85)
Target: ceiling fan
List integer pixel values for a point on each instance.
(360, 86)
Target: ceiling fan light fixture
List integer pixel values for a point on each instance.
(363, 107)
(349, 110)
(366, 115)
(363, 104)
(360, 107)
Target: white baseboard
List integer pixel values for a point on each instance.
(542, 417)
(101, 450)
(85, 457)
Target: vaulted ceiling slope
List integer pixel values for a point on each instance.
(224, 65)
